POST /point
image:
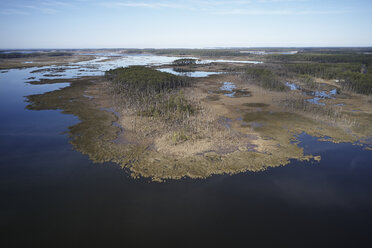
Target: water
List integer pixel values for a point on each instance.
(229, 61)
(292, 86)
(228, 86)
(319, 95)
(189, 73)
(54, 196)
(95, 67)
(265, 53)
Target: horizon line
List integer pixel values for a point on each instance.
(232, 47)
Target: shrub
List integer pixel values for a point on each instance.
(264, 78)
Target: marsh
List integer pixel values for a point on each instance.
(79, 162)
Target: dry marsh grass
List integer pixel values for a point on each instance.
(210, 141)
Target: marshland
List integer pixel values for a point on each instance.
(140, 137)
(193, 123)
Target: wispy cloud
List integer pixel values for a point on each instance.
(43, 7)
(38, 8)
(279, 12)
(223, 7)
(13, 12)
(323, 12)
(252, 12)
(215, 7)
(192, 4)
(56, 3)
(155, 5)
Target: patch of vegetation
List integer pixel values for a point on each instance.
(308, 81)
(213, 97)
(94, 134)
(324, 70)
(263, 77)
(301, 103)
(241, 93)
(357, 82)
(168, 106)
(350, 67)
(36, 54)
(353, 77)
(184, 62)
(324, 57)
(179, 136)
(193, 52)
(152, 93)
(255, 104)
(181, 70)
(282, 126)
(139, 80)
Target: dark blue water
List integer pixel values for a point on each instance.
(54, 196)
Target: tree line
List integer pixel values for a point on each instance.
(29, 55)
(150, 92)
(263, 77)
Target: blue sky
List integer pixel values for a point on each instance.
(204, 23)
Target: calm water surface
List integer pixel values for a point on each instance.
(52, 195)
(189, 73)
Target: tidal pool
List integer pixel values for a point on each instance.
(51, 194)
(229, 87)
(292, 86)
(318, 95)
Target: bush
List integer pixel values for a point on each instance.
(357, 82)
(140, 79)
(264, 78)
(308, 81)
(184, 62)
(151, 93)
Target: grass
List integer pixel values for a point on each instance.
(32, 55)
(256, 104)
(169, 107)
(177, 136)
(217, 97)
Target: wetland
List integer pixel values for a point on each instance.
(111, 133)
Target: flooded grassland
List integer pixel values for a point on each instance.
(300, 132)
(237, 126)
(6, 64)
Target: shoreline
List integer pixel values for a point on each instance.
(160, 159)
(19, 63)
(250, 129)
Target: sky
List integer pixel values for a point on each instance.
(187, 24)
